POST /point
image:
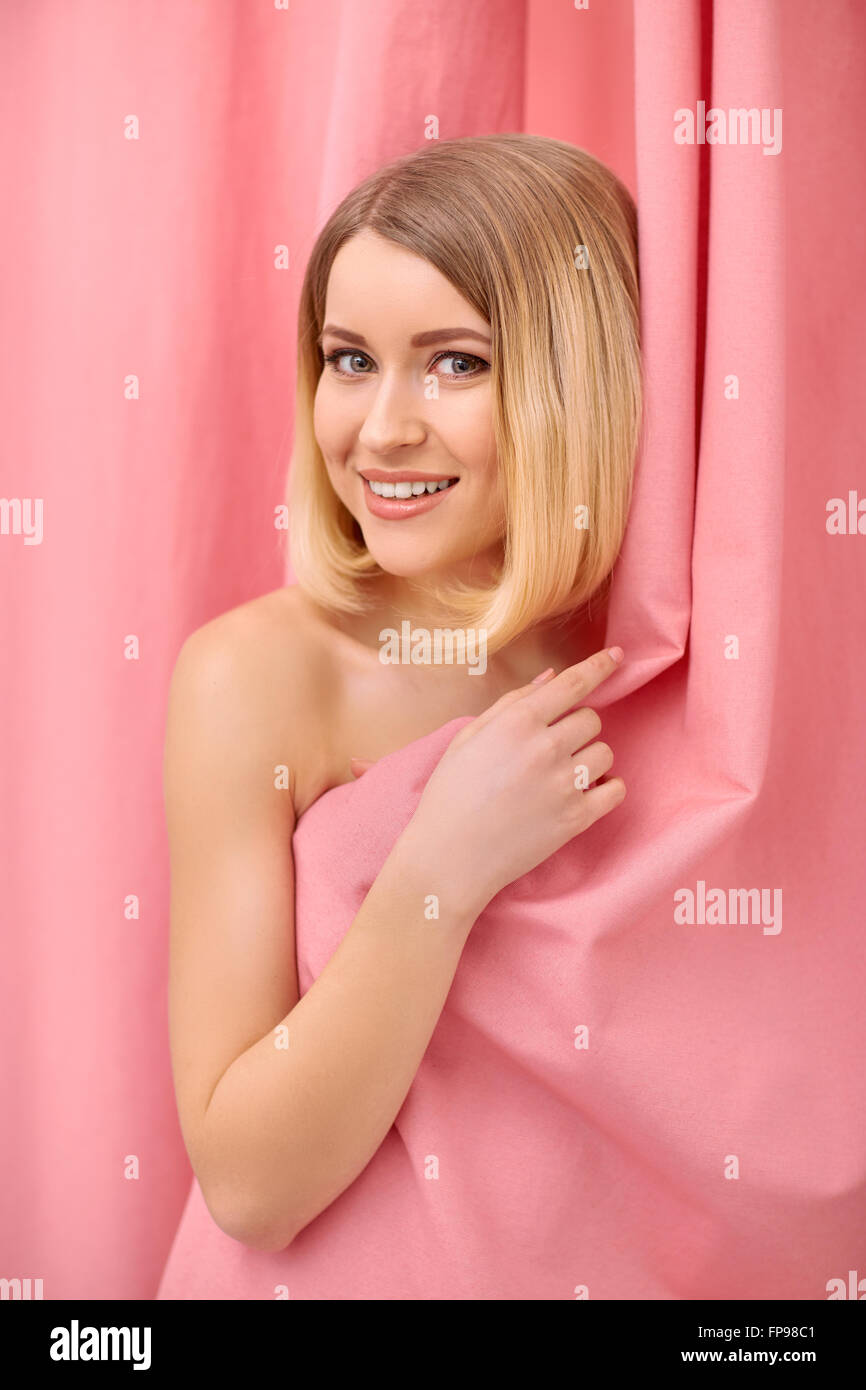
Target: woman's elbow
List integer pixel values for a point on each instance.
(250, 1226)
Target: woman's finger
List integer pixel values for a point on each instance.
(597, 801)
(591, 763)
(577, 729)
(571, 687)
(358, 766)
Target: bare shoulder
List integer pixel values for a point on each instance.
(278, 637)
(248, 693)
(261, 681)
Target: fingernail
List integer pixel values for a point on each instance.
(615, 653)
(543, 676)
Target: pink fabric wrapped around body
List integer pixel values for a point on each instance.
(593, 1083)
(705, 1136)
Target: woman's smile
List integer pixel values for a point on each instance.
(398, 495)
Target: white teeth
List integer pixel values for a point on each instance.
(405, 490)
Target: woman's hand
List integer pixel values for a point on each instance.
(515, 785)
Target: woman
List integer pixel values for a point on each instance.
(467, 421)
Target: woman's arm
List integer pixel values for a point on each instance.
(276, 1133)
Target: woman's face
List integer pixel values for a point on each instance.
(406, 400)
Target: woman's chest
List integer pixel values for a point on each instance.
(369, 716)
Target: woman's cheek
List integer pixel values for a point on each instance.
(323, 420)
(340, 483)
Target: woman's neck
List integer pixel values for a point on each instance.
(406, 609)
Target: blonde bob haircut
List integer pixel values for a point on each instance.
(541, 239)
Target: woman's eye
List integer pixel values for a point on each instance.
(476, 365)
(333, 357)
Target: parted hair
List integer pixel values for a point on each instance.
(541, 238)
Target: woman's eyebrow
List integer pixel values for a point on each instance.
(433, 335)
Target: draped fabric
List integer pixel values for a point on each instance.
(169, 168)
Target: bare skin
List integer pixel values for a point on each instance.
(275, 1134)
(374, 710)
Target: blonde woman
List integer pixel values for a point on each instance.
(467, 419)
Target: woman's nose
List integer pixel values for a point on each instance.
(393, 418)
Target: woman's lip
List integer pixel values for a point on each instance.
(400, 508)
(388, 475)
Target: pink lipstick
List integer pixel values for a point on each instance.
(394, 508)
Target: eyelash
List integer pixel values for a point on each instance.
(331, 358)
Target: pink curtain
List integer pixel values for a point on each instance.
(158, 158)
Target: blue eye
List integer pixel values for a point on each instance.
(333, 357)
(480, 365)
(462, 357)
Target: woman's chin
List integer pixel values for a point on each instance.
(414, 566)
(411, 560)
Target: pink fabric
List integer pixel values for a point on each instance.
(559, 1167)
